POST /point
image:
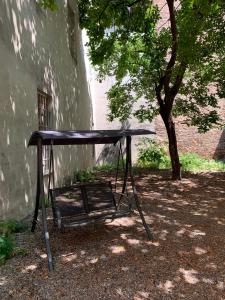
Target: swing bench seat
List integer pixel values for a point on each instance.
(86, 203)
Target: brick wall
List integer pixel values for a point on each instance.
(210, 144)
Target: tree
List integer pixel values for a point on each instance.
(178, 67)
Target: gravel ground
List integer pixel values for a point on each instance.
(186, 260)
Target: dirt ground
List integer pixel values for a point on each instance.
(186, 259)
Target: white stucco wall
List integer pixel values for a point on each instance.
(107, 153)
(34, 53)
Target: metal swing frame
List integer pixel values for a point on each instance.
(42, 138)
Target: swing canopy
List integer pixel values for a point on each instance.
(85, 202)
(83, 137)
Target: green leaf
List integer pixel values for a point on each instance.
(48, 4)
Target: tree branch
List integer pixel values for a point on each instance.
(120, 3)
(176, 86)
(171, 63)
(102, 12)
(158, 89)
(128, 4)
(178, 81)
(133, 3)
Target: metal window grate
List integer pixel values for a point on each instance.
(44, 101)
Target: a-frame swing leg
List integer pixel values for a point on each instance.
(43, 208)
(137, 203)
(125, 179)
(37, 202)
(34, 221)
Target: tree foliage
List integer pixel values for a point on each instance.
(149, 61)
(48, 4)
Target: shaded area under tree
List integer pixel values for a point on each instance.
(115, 261)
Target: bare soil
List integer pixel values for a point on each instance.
(186, 259)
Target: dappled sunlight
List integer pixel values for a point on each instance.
(182, 202)
(115, 259)
(169, 201)
(133, 242)
(196, 233)
(16, 39)
(220, 221)
(212, 266)
(166, 287)
(150, 243)
(221, 285)
(207, 280)
(130, 241)
(82, 260)
(117, 249)
(167, 208)
(125, 222)
(2, 177)
(200, 251)
(69, 257)
(189, 275)
(181, 232)
(199, 213)
(144, 250)
(3, 280)
(94, 260)
(170, 208)
(163, 234)
(141, 296)
(32, 56)
(124, 236)
(149, 219)
(120, 292)
(159, 216)
(30, 268)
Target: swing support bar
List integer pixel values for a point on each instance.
(42, 138)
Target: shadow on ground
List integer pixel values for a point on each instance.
(186, 260)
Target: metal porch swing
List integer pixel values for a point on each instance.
(85, 202)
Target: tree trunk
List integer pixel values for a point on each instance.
(174, 156)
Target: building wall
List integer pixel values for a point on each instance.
(210, 144)
(108, 153)
(34, 53)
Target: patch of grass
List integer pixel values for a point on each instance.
(84, 176)
(20, 251)
(6, 247)
(195, 163)
(47, 202)
(90, 174)
(7, 244)
(12, 226)
(153, 156)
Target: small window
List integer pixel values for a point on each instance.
(44, 102)
(72, 32)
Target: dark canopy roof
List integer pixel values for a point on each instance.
(83, 137)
